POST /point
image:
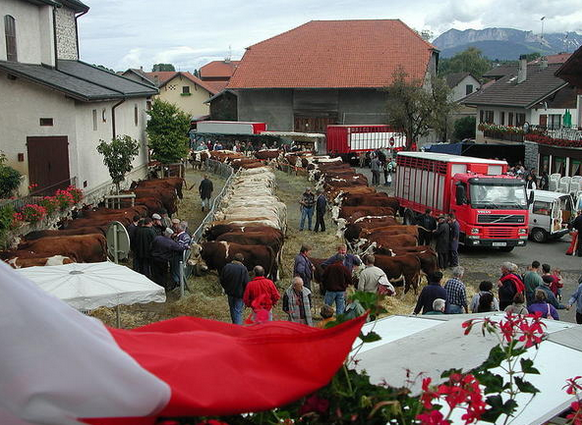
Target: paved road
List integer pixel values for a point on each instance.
(483, 264)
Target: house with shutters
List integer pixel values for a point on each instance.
(55, 108)
(532, 107)
(328, 72)
(184, 90)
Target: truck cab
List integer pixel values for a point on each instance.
(549, 214)
(492, 209)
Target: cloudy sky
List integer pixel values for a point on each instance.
(190, 33)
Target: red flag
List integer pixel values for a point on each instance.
(215, 368)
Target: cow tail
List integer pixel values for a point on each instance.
(103, 243)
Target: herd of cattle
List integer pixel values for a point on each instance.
(367, 221)
(251, 220)
(82, 239)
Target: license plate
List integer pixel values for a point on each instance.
(499, 244)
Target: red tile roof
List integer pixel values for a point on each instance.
(553, 59)
(163, 77)
(217, 86)
(334, 54)
(218, 69)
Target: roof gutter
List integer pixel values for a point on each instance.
(77, 31)
(113, 129)
(55, 35)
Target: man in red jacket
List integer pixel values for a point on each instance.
(261, 294)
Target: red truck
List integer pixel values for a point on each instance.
(490, 206)
(352, 139)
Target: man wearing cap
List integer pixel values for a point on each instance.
(442, 242)
(205, 189)
(157, 224)
(163, 249)
(182, 238)
(306, 203)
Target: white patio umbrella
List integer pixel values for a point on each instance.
(87, 286)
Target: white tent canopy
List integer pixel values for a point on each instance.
(87, 286)
(429, 345)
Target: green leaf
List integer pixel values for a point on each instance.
(498, 408)
(527, 366)
(370, 337)
(525, 387)
(496, 357)
(449, 372)
(492, 382)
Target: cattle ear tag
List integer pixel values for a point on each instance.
(76, 272)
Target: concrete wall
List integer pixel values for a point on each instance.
(193, 104)
(28, 36)
(66, 33)
(273, 106)
(30, 102)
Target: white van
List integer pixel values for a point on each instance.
(549, 214)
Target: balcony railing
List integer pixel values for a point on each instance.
(560, 136)
(501, 135)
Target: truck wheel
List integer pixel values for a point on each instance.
(539, 235)
(506, 249)
(408, 217)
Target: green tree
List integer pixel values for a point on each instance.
(465, 128)
(9, 178)
(167, 132)
(417, 109)
(118, 155)
(163, 67)
(470, 60)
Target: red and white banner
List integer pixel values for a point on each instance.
(58, 365)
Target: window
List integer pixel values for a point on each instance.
(481, 116)
(502, 118)
(543, 121)
(554, 121)
(10, 33)
(510, 118)
(519, 120)
(46, 122)
(575, 167)
(468, 89)
(185, 90)
(135, 114)
(94, 119)
(542, 208)
(558, 165)
(489, 117)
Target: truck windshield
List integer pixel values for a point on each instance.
(498, 196)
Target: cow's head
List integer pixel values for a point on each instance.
(196, 259)
(335, 210)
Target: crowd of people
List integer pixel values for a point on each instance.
(444, 230)
(157, 244)
(381, 162)
(244, 146)
(537, 291)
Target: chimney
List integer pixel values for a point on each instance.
(141, 68)
(522, 70)
(544, 62)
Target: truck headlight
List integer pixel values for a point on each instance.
(522, 231)
(474, 231)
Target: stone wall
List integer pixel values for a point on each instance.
(66, 34)
(530, 155)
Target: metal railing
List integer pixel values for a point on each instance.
(224, 170)
(36, 196)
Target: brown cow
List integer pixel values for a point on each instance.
(81, 248)
(177, 183)
(140, 210)
(272, 237)
(167, 196)
(399, 229)
(268, 154)
(405, 267)
(55, 260)
(347, 212)
(215, 255)
(385, 241)
(65, 232)
(353, 231)
(427, 256)
(371, 200)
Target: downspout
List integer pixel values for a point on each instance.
(113, 117)
(55, 35)
(77, 31)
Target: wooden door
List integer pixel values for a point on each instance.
(48, 163)
(313, 124)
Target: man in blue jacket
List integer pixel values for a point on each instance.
(303, 266)
(429, 293)
(162, 250)
(320, 206)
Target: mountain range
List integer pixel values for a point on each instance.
(505, 43)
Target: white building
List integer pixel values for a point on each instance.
(462, 84)
(55, 109)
